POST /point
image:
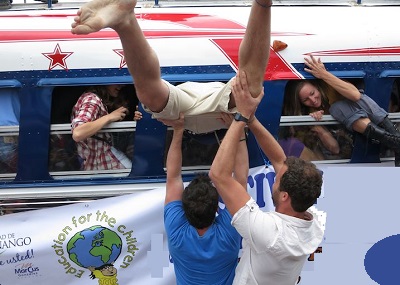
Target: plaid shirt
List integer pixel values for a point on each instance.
(96, 153)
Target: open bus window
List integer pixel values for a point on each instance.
(198, 150)
(9, 126)
(304, 141)
(90, 155)
(394, 103)
(66, 155)
(63, 153)
(310, 139)
(394, 107)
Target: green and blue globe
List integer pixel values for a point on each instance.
(94, 246)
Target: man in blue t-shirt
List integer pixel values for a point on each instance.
(202, 243)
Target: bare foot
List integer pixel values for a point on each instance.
(99, 14)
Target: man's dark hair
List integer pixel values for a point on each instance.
(200, 201)
(302, 181)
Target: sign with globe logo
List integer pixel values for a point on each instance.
(94, 247)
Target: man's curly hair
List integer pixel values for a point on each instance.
(200, 201)
(302, 181)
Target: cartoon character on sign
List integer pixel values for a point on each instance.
(107, 274)
(96, 248)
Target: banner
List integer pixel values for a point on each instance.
(123, 236)
(51, 246)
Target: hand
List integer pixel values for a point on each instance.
(118, 114)
(315, 67)
(245, 103)
(227, 119)
(138, 115)
(177, 124)
(317, 115)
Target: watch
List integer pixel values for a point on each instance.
(239, 117)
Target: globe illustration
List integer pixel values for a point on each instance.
(94, 247)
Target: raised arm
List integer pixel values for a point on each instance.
(241, 166)
(268, 144)
(317, 68)
(174, 161)
(232, 192)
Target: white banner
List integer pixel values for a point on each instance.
(122, 236)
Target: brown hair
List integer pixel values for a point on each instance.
(292, 105)
(302, 181)
(109, 101)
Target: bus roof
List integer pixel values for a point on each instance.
(67, 4)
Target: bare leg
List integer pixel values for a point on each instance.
(360, 125)
(254, 49)
(141, 59)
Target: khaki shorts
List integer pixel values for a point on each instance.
(201, 103)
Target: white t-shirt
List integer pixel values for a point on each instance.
(275, 246)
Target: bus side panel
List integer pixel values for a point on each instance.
(150, 138)
(34, 134)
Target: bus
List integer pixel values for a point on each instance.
(45, 69)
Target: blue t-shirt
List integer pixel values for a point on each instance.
(209, 259)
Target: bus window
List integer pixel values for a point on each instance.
(9, 125)
(302, 136)
(198, 150)
(305, 141)
(123, 140)
(63, 153)
(394, 103)
(91, 155)
(394, 114)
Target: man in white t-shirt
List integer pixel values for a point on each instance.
(275, 244)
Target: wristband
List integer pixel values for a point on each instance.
(238, 117)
